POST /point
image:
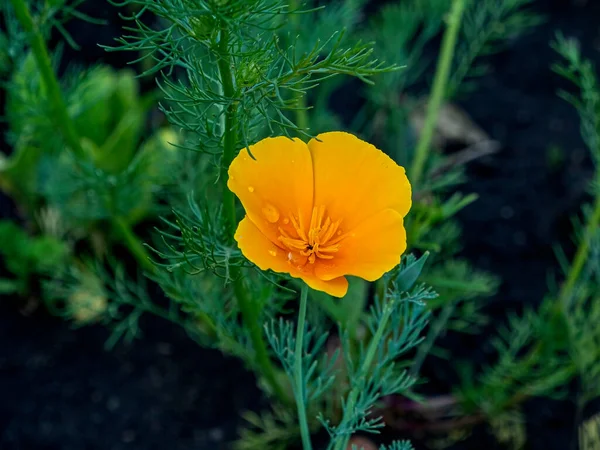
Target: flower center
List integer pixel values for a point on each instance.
(321, 241)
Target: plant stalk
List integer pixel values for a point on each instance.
(133, 244)
(229, 137)
(298, 373)
(40, 51)
(440, 83)
(250, 310)
(300, 97)
(432, 335)
(301, 112)
(364, 369)
(581, 255)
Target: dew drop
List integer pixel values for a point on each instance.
(286, 221)
(339, 233)
(272, 253)
(250, 189)
(271, 213)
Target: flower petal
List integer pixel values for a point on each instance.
(266, 255)
(371, 249)
(337, 287)
(355, 180)
(275, 185)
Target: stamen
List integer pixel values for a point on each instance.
(320, 217)
(291, 243)
(331, 231)
(322, 256)
(330, 248)
(319, 241)
(298, 228)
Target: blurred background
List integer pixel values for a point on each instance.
(59, 388)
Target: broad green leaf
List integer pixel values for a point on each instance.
(409, 274)
(346, 310)
(18, 174)
(352, 305)
(8, 286)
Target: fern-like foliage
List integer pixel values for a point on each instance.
(581, 304)
(407, 316)
(528, 365)
(275, 430)
(398, 445)
(541, 352)
(582, 74)
(191, 41)
(487, 26)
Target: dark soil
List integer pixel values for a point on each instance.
(526, 204)
(60, 390)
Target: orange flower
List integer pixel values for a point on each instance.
(321, 210)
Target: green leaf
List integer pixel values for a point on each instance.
(109, 112)
(347, 310)
(91, 107)
(46, 253)
(8, 286)
(409, 274)
(27, 102)
(5, 60)
(24, 255)
(118, 149)
(18, 174)
(352, 305)
(326, 302)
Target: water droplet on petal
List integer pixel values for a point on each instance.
(339, 233)
(286, 221)
(272, 253)
(271, 213)
(250, 189)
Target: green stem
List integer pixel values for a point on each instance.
(298, 375)
(38, 46)
(133, 244)
(250, 310)
(434, 332)
(251, 319)
(364, 369)
(582, 254)
(141, 255)
(438, 92)
(301, 112)
(229, 138)
(301, 105)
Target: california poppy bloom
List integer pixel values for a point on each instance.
(321, 210)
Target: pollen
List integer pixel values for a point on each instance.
(319, 241)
